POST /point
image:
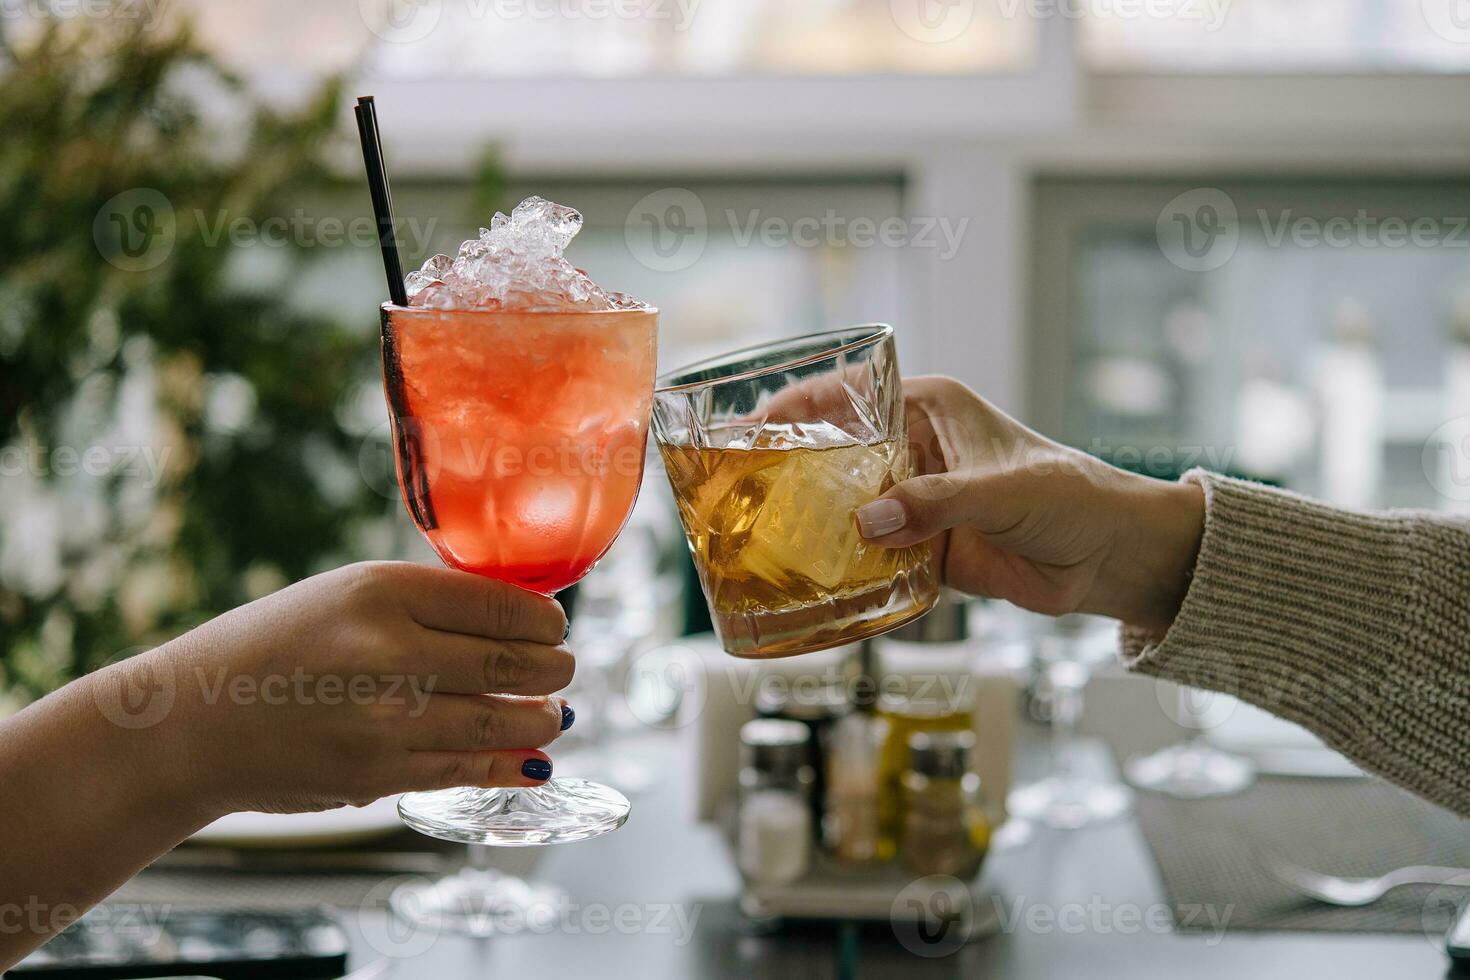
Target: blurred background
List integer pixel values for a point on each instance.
(1189, 233)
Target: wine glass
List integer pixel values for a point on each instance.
(519, 439)
(1193, 769)
(1068, 799)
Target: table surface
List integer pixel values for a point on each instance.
(658, 899)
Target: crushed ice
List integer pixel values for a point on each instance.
(515, 264)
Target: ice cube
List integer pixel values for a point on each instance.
(416, 282)
(805, 529)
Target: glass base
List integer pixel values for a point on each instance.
(1190, 771)
(476, 902)
(835, 621)
(1069, 803)
(629, 774)
(563, 810)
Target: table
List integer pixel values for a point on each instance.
(658, 899)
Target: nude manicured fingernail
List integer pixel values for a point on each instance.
(881, 517)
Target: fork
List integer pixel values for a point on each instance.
(1354, 892)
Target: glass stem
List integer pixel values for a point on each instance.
(479, 857)
(599, 693)
(1066, 712)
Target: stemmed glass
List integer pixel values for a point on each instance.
(1068, 799)
(1193, 769)
(519, 439)
(621, 614)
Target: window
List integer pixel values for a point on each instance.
(1322, 343)
(1277, 35)
(618, 38)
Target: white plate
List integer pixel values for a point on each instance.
(348, 825)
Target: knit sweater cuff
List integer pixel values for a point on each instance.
(1326, 617)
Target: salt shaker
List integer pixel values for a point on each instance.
(774, 835)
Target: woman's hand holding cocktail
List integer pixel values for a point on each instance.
(366, 681)
(1018, 517)
(359, 683)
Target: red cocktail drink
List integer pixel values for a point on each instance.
(520, 436)
(519, 394)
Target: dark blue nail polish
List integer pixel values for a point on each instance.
(567, 716)
(566, 634)
(536, 769)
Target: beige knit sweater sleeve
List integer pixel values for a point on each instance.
(1355, 626)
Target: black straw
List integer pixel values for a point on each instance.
(377, 175)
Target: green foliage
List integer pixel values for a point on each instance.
(101, 354)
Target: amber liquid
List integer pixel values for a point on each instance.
(776, 542)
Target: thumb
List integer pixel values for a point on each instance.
(917, 509)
